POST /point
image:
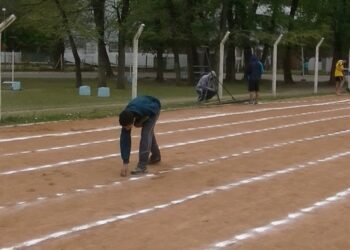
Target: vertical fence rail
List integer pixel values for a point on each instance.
(135, 60)
(274, 67)
(316, 65)
(221, 64)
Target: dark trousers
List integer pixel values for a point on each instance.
(148, 142)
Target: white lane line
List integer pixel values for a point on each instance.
(168, 132)
(56, 134)
(169, 121)
(64, 163)
(143, 211)
(290, 218)
(59, 147)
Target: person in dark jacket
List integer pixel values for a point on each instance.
(141, 112)
(254, 71)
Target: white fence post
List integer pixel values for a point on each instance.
(274, 68)
(316, 65)
(3, 26)
(221, 64)
(135, 60)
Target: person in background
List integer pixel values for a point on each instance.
(253, 73)
(339, 76)
(206, 87)
(142, 112)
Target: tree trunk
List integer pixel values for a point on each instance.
(177, 67)
(121, 81)
(287, 71)
(223, 29)
(337, 54)
(122, 13)
(230, 62)
(160, 66)
(287, 64)
(78, 77)
(107, 62)
(102, 77)
(191, 48)
(57, 54)
(190, 63)
(247, 56)
(99, 17)
(173, 15)
(264, 56)
(231, 48)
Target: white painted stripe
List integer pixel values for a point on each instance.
(56, 134)
(112, 219)
(290, 218)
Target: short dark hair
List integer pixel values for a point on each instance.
(126, 118)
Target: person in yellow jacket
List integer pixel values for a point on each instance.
(339, 76)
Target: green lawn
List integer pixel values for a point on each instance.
(57, 99)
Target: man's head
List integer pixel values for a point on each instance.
(126, 119)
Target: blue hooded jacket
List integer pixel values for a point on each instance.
(142, 107)
(255, 69)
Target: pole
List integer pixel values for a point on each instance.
(3, 26)
(135, 60)
(316, 65)
(221, 64)
(274, 68)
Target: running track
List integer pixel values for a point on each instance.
(269, 176)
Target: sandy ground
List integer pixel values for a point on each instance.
(267, 176)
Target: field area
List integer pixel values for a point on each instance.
(269, 176)
(52, 96)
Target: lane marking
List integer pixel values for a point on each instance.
(290, 218)
(112, 219)
(178, 144)
(168, 121)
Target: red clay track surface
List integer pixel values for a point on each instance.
(267, 176)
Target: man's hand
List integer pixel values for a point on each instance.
(124, 170)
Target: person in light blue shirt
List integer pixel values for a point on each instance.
(142, 112)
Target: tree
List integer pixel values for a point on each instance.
(69, 33)
(104, 66)
(57, 16)
(231, 47)
(123, 10)
(156, 36)
(337, 13)
(176, 41)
